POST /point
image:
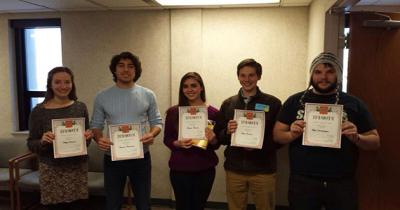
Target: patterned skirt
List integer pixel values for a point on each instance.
(60, 184)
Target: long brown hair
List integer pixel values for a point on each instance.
(49, 92)
(183, 101)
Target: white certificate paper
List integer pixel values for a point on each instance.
(192, 122)
(126, 141)
(323, 125)
(250, 130)
(69, 137)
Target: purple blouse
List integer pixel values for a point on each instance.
(192, 159)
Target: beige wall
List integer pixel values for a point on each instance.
(6, 113)
(171, 43)
(316, 31)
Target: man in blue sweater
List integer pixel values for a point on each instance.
(126, 102)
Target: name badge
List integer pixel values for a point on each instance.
(262, 107)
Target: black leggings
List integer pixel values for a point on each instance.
(192, 188)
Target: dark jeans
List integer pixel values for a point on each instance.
(139, 173)
(192, 189)
(310, 193)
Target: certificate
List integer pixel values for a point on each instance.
(192, 122)
(323, 125)
(250, 129)
(69, 137)
(126, 141)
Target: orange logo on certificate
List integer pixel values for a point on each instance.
(68, 123)
(323, 109)
(124, 128)
(192, 110)
(249, 115)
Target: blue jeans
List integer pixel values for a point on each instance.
(311, 193)
(139, 173)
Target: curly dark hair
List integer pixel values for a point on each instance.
(126, 55)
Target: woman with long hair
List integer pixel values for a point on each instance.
(192, 169)
(63, 181)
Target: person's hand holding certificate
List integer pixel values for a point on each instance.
(126, 142)
(250, 129)
(323, 125)
(192, 124)
(69, 137)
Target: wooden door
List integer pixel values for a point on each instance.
(374, 76)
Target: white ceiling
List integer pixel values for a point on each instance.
(18, 6)
(13, 6)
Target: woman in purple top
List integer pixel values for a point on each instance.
(192, 168)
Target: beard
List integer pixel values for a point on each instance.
(329, 89)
